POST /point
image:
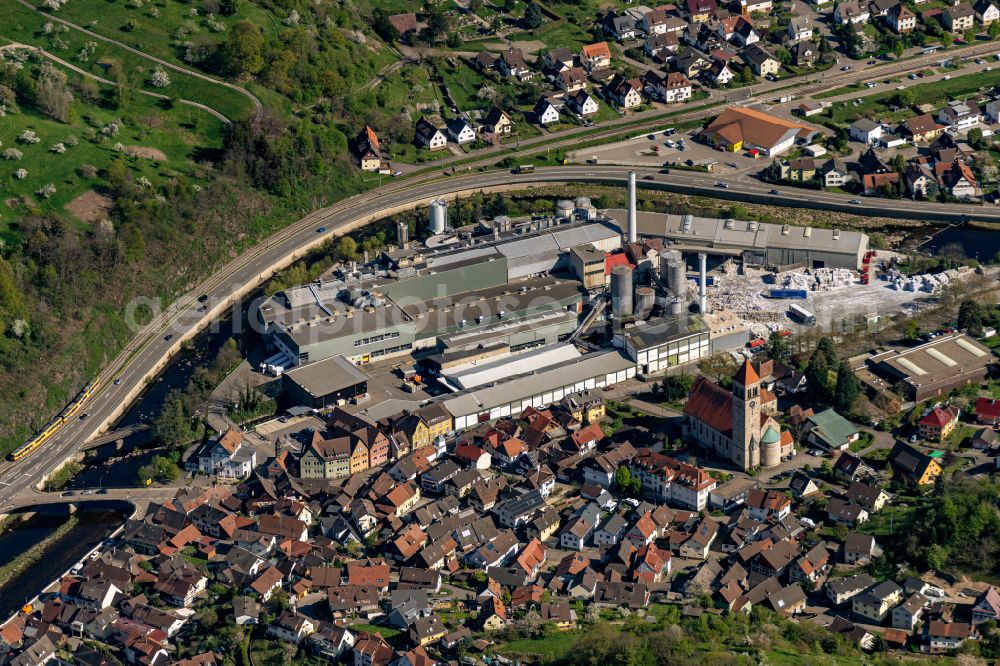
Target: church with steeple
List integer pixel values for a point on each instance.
(737, 425)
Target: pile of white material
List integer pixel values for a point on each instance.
(926, 282)
(763, 329)
(820, 279)
(744, 295)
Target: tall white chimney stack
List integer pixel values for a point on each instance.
(703, 284)
(632, 234)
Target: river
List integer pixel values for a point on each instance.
(976, 242)
(93, 527)
(96, 526)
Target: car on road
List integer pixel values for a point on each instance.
(87, 492)
(118, 381)
(397, 174)
(872, 62)
(68, 493)
(913, 439)
(870, 84)
(203, 298)
(647, 177)
(774, 192)
(102, 491)
(719, 148)
(202, 308)
(321, 230)
(855, 202)
(168, 337)
(979, 61)
(84, 415)
(845, 68)
(724, 185)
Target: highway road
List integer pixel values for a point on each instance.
(161, 337)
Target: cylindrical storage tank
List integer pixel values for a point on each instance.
(583, 202)
(770, 448)
(621, 291)
(677, 306)
(564, 209)
(677, 279)
(402, 233)
(645, 299)
(437, 217)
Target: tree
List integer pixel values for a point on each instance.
(347, 249)
(533, 16)
(243, 52)
(173, 426)
(904, 97)
(969, 36)
(994, 30)
(625, 483)
(970, 317)
(54, 98)
(229, 7)
(848, 388)
(911, 330)
(899, 49)
(947, 39)
(778, 347)
(719, 366)
(383, 27)
(975, 138)
(818, 389)
(676, 387)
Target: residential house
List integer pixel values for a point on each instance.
(986, 12)
(958, 18)
(625, 92)
(866, 131)
(870, 498)
(921, 129)
(498, 122)
(875, 603)
(858, 548)
(671, 88)
(842, 590)
(700, 11)
(907, 615)
(839, 511)
(987, 606)
(830, 431)
(291, 627)
(912, 466)
(611, 532)
(804, 54)
(852, 11)
(572, 80)
(558, 59)
(762, 62)
(545, 112)
(947, 636)
(430, 136)
(960, 115)
(620, 26)
(719, 73)
(939, 423)
(595, 56)
(768, 505)
(800, 28)
(575, 534)
(698, 544)
(654, 22)
(368, 150)
(901, 19)
(834, 173)
(660, 46)
(799, 170)
(957, 179)
(513, 65)
(988, 411)
(460, 131)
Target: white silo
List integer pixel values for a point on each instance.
(621, 291)
(437, 218)
(564, 209)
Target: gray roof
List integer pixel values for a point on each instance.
(517, 388)
(327, 376)
(743, 234)
(865, 125)
(645, 336)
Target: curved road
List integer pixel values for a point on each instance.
(163, 336)
(258, 107)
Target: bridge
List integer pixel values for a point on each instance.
(90, 498)
(115, 435)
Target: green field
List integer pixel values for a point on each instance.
(183, 134)
(22, 25)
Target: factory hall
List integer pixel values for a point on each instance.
(490, 318)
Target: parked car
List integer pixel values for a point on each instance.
(845, 68)
(774, 192)
(724, 185)
(856, 202)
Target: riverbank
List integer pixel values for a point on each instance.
(20, 564)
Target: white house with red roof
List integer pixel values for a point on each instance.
(229, 456)
(988, 411)
(938, 423)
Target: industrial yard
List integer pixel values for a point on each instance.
(488, 318)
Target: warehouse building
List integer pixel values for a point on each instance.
(479, 405)
(755, 243)
(741, 128)
(934, 368)
(328, 382)
(668, 342)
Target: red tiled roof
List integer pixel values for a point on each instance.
(711, 404)
(746, 374)
(988, 408)
(939, 418)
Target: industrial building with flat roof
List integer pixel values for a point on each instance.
(934, 368)
(665, 343)
(756, 243)
(327, 382)
(537, 389)
(430, 298)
